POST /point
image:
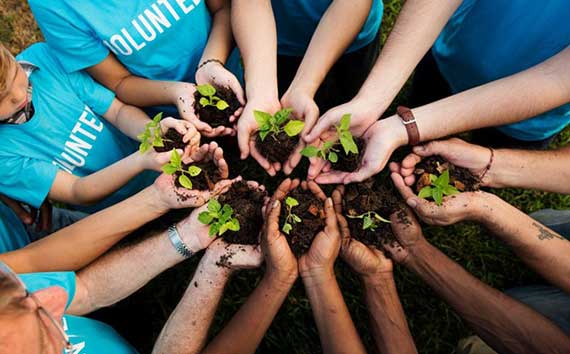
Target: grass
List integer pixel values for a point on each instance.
(435, 327)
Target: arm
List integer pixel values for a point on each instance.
(220, 39)
(505, 324)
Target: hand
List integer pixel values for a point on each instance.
(368, 262)
(190, 135)
(247, 128)
(211, 152)
(232, 256)
(216, 74)
(455, 208)
(184, 100)
(30, 217)
(305, 109)
(280, 262)
(193, 232)
(408, 234)
(458, 152)
(381, 139)
(319, 260)
(362, 117)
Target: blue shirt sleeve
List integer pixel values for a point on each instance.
(39, 281)
(25, 179)
(76, 45)
(94, 95)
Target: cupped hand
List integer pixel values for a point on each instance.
(211, 152)
(216, 74)
(408, 234)
(189, 133)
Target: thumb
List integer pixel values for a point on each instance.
(243, 136)
(320, 127)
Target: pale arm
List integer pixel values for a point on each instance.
(220, 40)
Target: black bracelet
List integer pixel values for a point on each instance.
(198, 67)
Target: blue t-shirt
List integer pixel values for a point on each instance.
(297, 21)
(66, 133)
(13, 235)
(486, 40)
(86, 335)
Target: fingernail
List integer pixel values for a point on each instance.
(412, 202)
(329, 202)
(275, 204)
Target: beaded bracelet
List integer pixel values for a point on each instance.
(488, 165)
(198, 67)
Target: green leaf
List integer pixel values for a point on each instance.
(450, 190)
(233, 225)
(333, 157)
(294, 127)
(206, 90)
(263, 134)
(443, 180)
(214, 229)
(169, 169)
(287, 228)
(345, 122)
(143, 147)
(310, 151)
(262, 118)
(348, 144)
(157, 118)
(214, 206)
(295, 218)
(204, 102)
(437, 195)
(367, 223)
(291, 202)
(282, 115)
(222, 105)
(205, 218)
(327, 145)
(227, 212)
(158, 142)
(143, 136)
(425, 192)
(185, 181)
(432, 178)
(194, 171)
(175, 158)
(378, 217)
(223, 229)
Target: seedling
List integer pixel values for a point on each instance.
(276, 124)
(291, 218)
(439, 187)
(219, 218)
(152, 135)
(370, 220)
(329, 151)
(209, 98)
(175, 165)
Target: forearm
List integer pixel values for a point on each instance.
(186, 330)
(517, 168)
(141, 92)
(506, 325)
(257, 41)
(246, 329)
(77, 245)
(131, 121)
(418, 25)
(389, 325)
(336, 329)
(220, 39)
(540, 248)
(331, 39)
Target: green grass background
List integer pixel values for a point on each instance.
(435, 327)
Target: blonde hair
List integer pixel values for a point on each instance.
(7, 61)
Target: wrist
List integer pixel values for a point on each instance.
(302, 87)
(280, 279)
(178, 90)
(417, 253)
(216, 276)
(262, 92)
(377, 279)
(317, 276)
(212, 264)
(485, 207)
(394, 130)
(154, 197)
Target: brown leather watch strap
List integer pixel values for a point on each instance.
(410, 123)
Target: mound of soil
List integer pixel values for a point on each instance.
(172, 140)
(206, 180)
(312, 213)
(459, 177)
(350, 162)
(360, 198)
(276, 148)
(213, 116)
(247, 204)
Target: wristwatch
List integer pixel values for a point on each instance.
(177, 242)
(410, 123)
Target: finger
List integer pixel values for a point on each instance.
(238, 90)
(200, 154)
(431, 148)
(262, 161)
(404, 222)
(410, 162)
(331, 221)
(337, 200)
(283, 189)
(323, 124)
(243, 141)
(204, 128)
(273, 220)
(316, 166)
(276, 166)
(219, 160)
(224, 185)
(406, 192)
(328, 167)
(410, 180)
(311, 117)
(316, 190)
(394, 167)
(332, 177)
(366, 170)
(294, 158)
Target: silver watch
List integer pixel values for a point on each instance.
(177, 242)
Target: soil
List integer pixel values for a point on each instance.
(370, 195)
(247, 204)
(459, 177)
(350, 162)
(213, 116)
(312, 214)
(276, 148)
(172, 140)
(206, 180)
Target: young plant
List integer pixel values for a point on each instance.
(219, 218)
(439, 187)
(291, 218)
(209, 98)
(175, 165)
(370, 220)
(152, 135)
(276, 124)
(329, 151)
